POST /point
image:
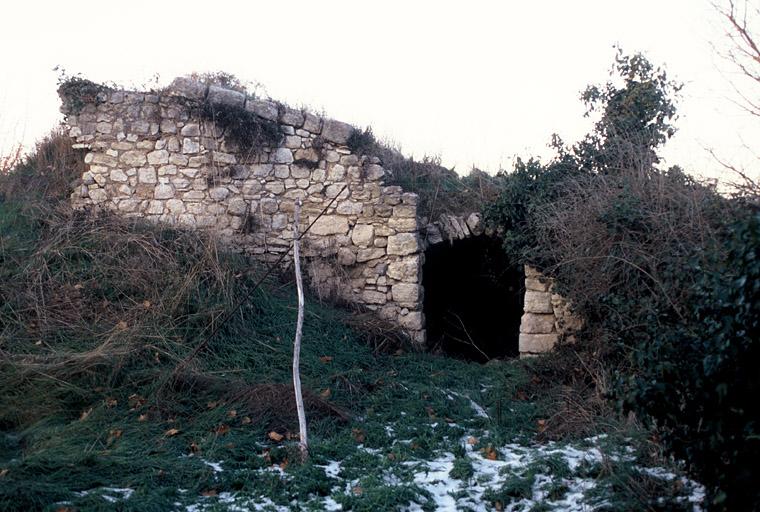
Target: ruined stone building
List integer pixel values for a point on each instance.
(157, 156)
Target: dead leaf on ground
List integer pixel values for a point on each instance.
(113, 435)
(85, 414)
(490, 453)
(541, 424)
(325, 393)
(111, 402)
(357, 490)
(221, 429)
(122, 325)
(326, 359)
(4, 472)
(284, 464)
(275, 436)
(245, 421)
(430, 412)
(231, 413)
(172, 432)
(472, 440)
(209, 493)
(142, 417)
(194, 447)
(359, 435)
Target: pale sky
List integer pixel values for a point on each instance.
(476, 82)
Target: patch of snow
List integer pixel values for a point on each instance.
(216, 466)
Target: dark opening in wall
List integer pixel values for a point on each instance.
(473, 299)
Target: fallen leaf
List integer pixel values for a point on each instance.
(430, 412)
(136, 401)
(209, 493)
(284, 464)
(146, 304)
(246, 420)
(171, 432)
(522, 395)
(276, 437)
(357, 490)
(541, 425)
(85, 414)
(122, 325)
(489, 453)
(221, 429)
(38, 342)
(4, 472)
(326, 359)
(449, 420)
(212, 405)
(231, 413)
(498, 506)
(111, 402)
(142, 417)
(78, 286)
(325, 393)
(358, 434)
(113, 435)
(472, 440)
(391, 456)
(194, 447)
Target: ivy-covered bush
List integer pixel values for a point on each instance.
(665, 270)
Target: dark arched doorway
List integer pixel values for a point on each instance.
(473, 299)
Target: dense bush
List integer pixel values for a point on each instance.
(663, 268)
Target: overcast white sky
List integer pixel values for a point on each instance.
(476, 82)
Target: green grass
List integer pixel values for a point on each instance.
(95, 394)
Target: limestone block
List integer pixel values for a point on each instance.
(300, 172)
(403, 244)
(281, 171)
(191, 130)
(536, 343)
(178, 159)
(98, 195)
(102, 159)
(404, 210)
(410, 198)
(335, 189)
(406, 269)
(175, 206)
(374, 297)
(133, 158)
(538, 302)
(370, 254)
(535, 323)
(147, 175)
(163, 191)
(118, 175)
(346, 256)
(219, 193)
(282, 156)
(262, 108)
(535, 284)
(363, 234)
(190, 147)
(312, 123)
(275, 187)
(407, 293)
(350, 208)
(336, 131)
(187, 87)
(475, 223)
(291, 117)
(414, 320)
(374, 172)
(159, 157)
(224, 96)
(408, 224)
(329, 225)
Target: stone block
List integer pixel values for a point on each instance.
(369, 254)
(263, 108)
(406, 293)
(536, 343)
(403, 244)
(538, 302)
(220, 95)
(533, 323)
(329, 225)
(363, 234)
(406, 269)
(414, 320)
(336, 131)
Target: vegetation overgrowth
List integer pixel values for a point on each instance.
(105, 402)
(664, 270)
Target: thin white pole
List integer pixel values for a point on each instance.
(303, 438)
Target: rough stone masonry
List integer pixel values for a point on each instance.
(151, 156)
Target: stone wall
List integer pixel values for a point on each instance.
(152, 156)
(547, 316)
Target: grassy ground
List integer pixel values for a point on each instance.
(106, 402)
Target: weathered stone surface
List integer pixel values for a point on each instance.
(190, 146)
(158, 157)
(537, 323)
(535, 284)
(374, 297)
(536, 343)
(370, 254)
(163, 191)
(262, 108)
(237, 206)
(403, 244)
(414, 320)
(133, 158)
(363, 234)
(406, 269)
(336, 131)
(330, 225)
(224, 96)
(282, 156)
(219, 193)
(118, 175)
(406, 292)
(147, 175)
(188, 88)
(538, 302)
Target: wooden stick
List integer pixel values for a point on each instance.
(303, 438)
